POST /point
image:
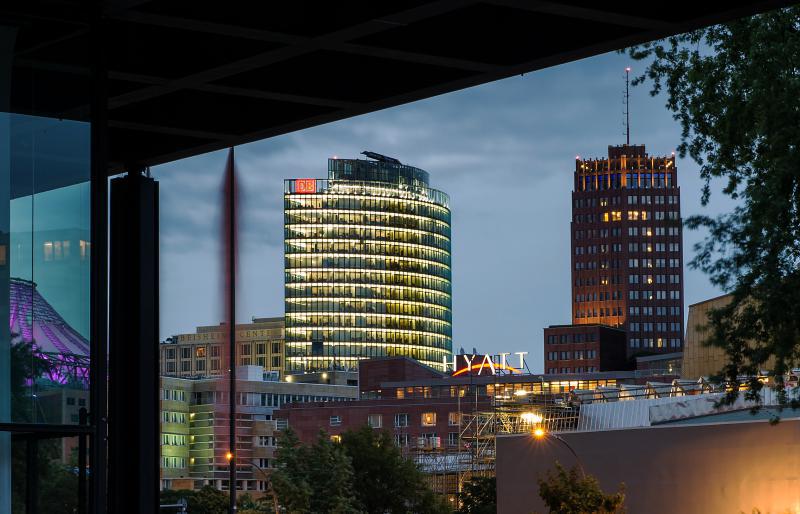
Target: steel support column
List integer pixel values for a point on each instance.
(133, 354)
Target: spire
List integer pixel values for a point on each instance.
(627, 107)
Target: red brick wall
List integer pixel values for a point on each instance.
(307, 419)
(373, 372)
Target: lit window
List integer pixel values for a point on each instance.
(428, 419)
(336, 439)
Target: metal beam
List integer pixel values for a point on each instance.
(587, 14)
(291, 40)
(285, 53)
(172, 131)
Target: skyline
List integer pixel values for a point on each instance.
(507, 144)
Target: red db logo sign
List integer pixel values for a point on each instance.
(305, 185)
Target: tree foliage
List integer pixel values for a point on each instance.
(735, 89)
(387, 481)
(479, 496)
(568, 492)
(208, 500)
(316, 478)
(365, 473)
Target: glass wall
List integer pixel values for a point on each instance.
(367, 258)
(45, 252)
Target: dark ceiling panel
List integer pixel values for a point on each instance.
(341, 76)
(661, 10)
(190, 76)
(298, 17)
(50, 93)
(214, 113)
(173, 53)
(132, 146)
(496, 35)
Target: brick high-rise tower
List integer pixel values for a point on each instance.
(627, 248)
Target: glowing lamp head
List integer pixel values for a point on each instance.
(229, 456)
(628, 69)
(539, 433)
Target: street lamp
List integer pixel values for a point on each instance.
(269, 484)
(540, 433)
(229, 458)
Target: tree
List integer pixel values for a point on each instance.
(208, 500)
(318, 478)
(569, 492)
(387, 481)
(735, 89)
(331, 473)
(290, 480)
(479, 496)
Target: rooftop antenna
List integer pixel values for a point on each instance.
(627, 107)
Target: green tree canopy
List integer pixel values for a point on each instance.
(735, 89)
(479, 496)
(365, 473)
(208, 500)
(569, 492)
(316, 478)
(387, 481)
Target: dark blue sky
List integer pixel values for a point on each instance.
(504, 152)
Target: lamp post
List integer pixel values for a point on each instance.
(269, 485)
(229, 457)
(540, 433)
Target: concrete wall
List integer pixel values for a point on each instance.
(721, 468)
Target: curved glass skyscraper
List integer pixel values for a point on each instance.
(367, 260)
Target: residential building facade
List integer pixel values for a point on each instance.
(367, 266)
(627, 254)
(195, 427)
(204, 352)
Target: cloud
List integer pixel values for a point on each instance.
(504, 152)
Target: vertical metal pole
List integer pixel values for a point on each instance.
(98, 370)
(31, 475)
(231, 200)
(83, 419)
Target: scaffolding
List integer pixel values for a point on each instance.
(482, 417)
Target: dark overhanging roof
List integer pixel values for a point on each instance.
(187, 77)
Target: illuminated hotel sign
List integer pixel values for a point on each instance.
(486, 364)
(305, 185)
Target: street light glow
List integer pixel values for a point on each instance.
(229, 456)
(531, 418)
(539, 432)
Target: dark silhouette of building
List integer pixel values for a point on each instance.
(627, 248)
(584, 349)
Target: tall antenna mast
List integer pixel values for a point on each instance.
(627, 107)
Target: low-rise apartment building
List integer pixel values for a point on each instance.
(195, 432)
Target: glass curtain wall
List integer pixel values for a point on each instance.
(45, 252)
